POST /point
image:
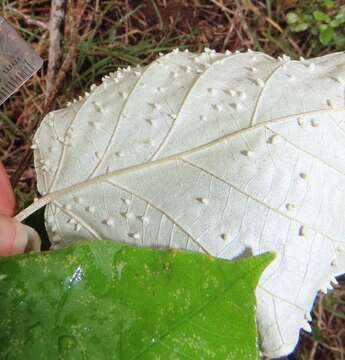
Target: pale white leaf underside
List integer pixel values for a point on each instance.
(226, 154)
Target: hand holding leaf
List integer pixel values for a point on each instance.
(14, 237)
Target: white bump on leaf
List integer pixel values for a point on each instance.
(135, 235)
(273, 139)
(242, 95)
(98, 106)
(78, 199)
(307, 316)
(247, 153)
(302, 231)
(127, 215)
(290, 207)
(218, 107)
(143, 219)
(212, 91)
(259, 82)
(225, 236)
(311, 66)
(203, 200)
(123, 94)
(236, 106)
(126, 201)
(90, 209)
(109, 222)
(314, 123)
(71, 221)
(120, 153)
(151, 122)
(329, 102)
(306, 327)
(300, 121)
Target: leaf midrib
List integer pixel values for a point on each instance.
(55, 195)
(218, 141)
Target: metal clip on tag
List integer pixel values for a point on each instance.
(18, 61)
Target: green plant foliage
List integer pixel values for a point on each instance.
(323, 18)
(101, 300)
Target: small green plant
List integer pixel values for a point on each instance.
(324, 20)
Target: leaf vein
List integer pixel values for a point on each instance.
(159, 210)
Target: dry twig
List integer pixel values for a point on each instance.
(56, 36)
(29, 20)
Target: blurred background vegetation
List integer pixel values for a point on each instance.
(101, 35)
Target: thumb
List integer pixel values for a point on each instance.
(16, 238)
(7, 200)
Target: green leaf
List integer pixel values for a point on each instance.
(314, 31)
(317, 335)
(328, 3)
(299, 27)
(339, 40)
(102, 300)
(326, 35)
(334, 23)
(321, 16)
(307, 18)
(292, 18)
(340, 17)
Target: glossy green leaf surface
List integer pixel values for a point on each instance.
(102, 300)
